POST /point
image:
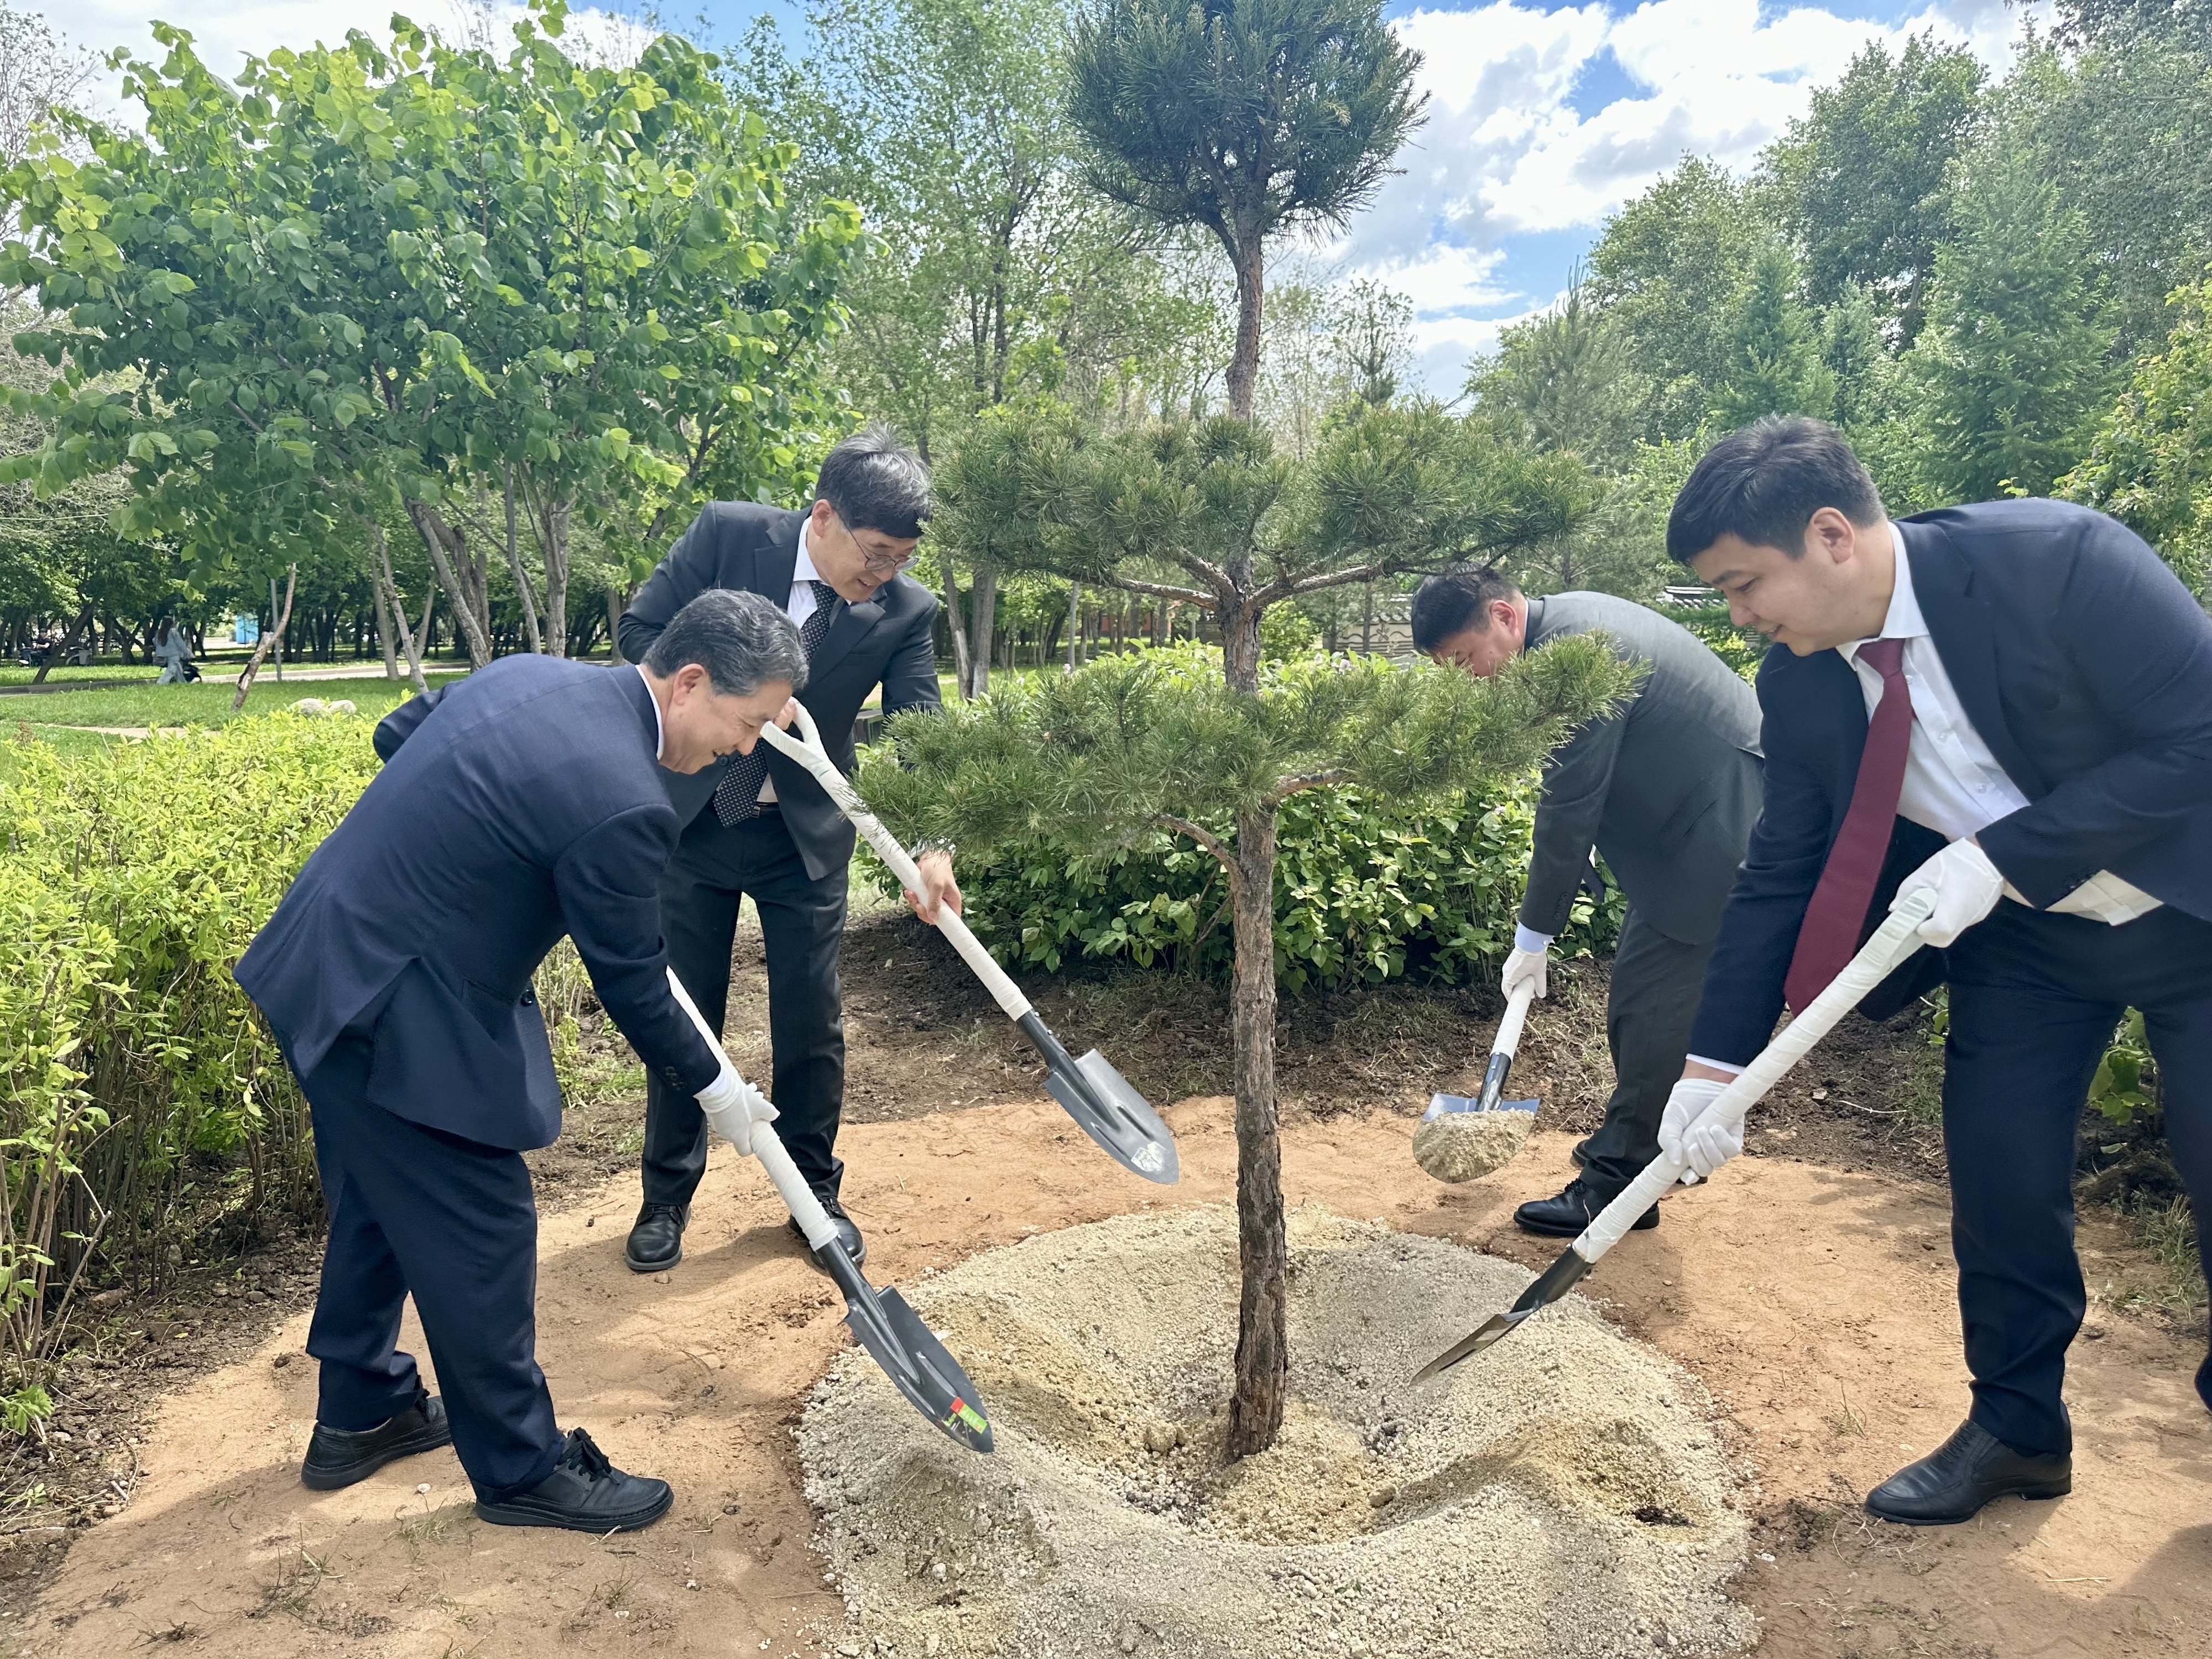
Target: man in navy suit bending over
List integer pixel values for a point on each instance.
(2009, 703)
(520, 805)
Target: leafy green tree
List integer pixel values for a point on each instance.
(1564, 381)
(1243, 118)
(1122, 747)
(369, 282)
(1858, 181)
(1774, 358)
(1668, 269)
(2010, 373)
(2151, 465)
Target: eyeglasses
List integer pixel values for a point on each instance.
(886, 564)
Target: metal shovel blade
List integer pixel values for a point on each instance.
(1442, 1105)
(1555, 1282)
(918, 1364)
(1113, 1114)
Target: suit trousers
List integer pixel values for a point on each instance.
(1656, 982)
(803, 929)
(2034, 1000)
(416, 1210)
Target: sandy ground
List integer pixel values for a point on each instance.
(1815, 1304)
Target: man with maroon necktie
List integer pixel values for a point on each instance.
(2010, 704)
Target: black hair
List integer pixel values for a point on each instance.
(1452, 601)
(1765, 483)
(873, 481)
(741, 640)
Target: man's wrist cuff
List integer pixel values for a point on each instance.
(1730, 1067)
(1528, 939)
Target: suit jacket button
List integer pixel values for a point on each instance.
(530, 998)
(673, 1077)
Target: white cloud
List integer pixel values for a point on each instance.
(1505, 154)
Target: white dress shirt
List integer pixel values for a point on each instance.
(660, 724)
(800, 605)
(1953, 783)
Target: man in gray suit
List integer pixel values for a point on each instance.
(1667, 789)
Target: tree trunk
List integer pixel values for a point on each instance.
(982, 605)
(1074, 624)
(617, 602)
(553, 532)
(1240, 644)
(956, 625)
(384, 643)
(269, 636)
(1245, 366)
(523, 592)
(60, 653)
(417, 641)
(1256, 1404)
(449, 558)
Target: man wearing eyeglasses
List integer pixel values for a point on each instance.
(760, 824)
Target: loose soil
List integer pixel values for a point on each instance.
(1808, 1290)
(1458, 1146)
(1564, 1497)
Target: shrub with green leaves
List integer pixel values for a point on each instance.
(142, 1105)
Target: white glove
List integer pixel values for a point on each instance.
(1705, 1146)
(733, 1107)
(1529, 962)
(1966, 886)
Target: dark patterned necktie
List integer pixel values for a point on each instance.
(736, 798)
(1829, 935)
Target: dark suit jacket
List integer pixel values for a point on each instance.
(519, 804)
(887, 640)
(2085, 667)
(1667, 789)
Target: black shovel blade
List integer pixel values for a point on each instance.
(1555, 1282)
(918, 1364)
(1100, 1100)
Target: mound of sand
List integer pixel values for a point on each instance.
(1561, 1495)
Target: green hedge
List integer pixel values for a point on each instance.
(1363, 892)
(142, 1104)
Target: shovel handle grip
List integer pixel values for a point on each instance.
(1508, 1039)
(807, 750)
(790, 1186)
(1897, 939)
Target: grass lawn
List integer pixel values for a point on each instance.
(206, 703)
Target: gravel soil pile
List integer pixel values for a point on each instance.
(1467, 1145)
(1561, 1496)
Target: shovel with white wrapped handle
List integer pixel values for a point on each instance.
(1098, 1098)
(881, 1321)
(1892, 943)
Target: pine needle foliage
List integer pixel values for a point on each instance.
(1100, 758)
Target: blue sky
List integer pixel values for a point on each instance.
(1542, 118)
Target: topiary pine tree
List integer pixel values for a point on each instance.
(1131, 746)
(1245, 117)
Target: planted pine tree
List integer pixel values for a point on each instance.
(1209, 748)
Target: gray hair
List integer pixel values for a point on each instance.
(741, 640)
(873, 481)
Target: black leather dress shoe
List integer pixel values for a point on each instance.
(583, 1493)
(855, 1246)
(1566, 1216)
(1580, 1152)
(338, 1457)
(2204, 1382)
(656, 1237)
(1952, 1483)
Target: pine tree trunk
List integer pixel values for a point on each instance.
(1255, 1406)
(1245, 366)
(982, 604)
(957, 625)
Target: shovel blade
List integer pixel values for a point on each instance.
(1548, 1287)
(1113, 1114)
(908, 1353)
(1440, 1105)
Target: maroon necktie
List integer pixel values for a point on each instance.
(1834, 919)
